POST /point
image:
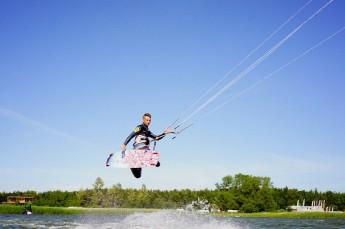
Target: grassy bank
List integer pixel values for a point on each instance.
(284, 214)
(13, 209)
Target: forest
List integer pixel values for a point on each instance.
(246, 193)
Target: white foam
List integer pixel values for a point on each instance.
(165, 219)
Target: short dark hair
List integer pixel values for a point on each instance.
(147, 114)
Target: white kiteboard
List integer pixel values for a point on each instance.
(133, 159)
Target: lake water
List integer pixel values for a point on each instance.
(160, 219)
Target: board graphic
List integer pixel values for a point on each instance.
(133, 159)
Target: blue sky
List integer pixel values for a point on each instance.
(76, 76)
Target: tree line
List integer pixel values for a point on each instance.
(242, 192)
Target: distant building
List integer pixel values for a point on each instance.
(316, 206)
(18, 200)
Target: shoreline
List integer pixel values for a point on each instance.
(297, 215)
(41, 210)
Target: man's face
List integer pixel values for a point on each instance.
(146, 120)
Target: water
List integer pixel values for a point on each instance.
(160, 219)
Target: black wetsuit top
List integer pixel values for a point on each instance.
(142, 135)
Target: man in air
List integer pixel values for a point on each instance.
(142, 135)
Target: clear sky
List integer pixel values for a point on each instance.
(76, 76)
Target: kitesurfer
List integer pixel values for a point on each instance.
(142, 135)
(27, 209)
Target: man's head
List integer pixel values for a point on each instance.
(146, 119)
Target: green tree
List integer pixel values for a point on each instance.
(98, 194)
(227, 183)
(225, 201)
(249, 207)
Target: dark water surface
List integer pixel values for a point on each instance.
(160, 219)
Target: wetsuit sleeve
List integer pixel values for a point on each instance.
(151, 135)
(132, 135)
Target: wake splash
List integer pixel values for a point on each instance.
(165, 219)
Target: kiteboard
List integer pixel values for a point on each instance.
(138, 158)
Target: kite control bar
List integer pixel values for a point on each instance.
(181, 130)
(176, 132)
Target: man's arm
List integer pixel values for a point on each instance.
(157, 137)
(130, 137)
